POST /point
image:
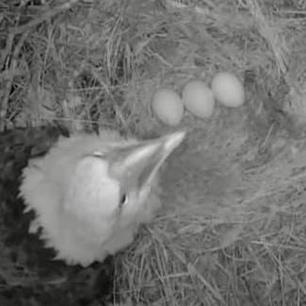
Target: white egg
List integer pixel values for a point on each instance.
(228, 89)
(198, 99)
(168, 106)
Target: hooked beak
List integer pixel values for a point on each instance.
(140, 162)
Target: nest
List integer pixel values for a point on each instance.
(232, 229)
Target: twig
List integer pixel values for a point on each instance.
(11, 68)
(43, 17)
(10, 61)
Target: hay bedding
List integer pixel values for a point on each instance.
(232, 231)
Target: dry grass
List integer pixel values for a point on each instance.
(232, 231)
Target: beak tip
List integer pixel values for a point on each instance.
(175, 139)
(181, 135)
